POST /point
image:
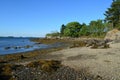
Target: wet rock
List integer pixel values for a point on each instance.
(17, 47)
(7, 48)
(22, 57)
(2, 61)
(38, 43)
(28, 46)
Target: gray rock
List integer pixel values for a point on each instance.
(97, 44)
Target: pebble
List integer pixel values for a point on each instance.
(63, 73)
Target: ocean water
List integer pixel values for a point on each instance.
(16, 45)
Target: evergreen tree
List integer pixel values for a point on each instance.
(62, 29)
(113, 14)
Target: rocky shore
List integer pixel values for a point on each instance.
(63, 73)
(25, 72)
(73, 62)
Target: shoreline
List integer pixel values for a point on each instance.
(36, 44)
(75, 57)
(29, 54)
(36, 52)
(71, 43)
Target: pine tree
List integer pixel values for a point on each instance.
(62, 29)
(113, 14)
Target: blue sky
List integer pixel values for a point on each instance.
(38, 17)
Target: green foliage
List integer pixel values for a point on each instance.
(72, 29)
(97, 28)
(75, 29)
(84, 30)
(113, 14)
(53, 34)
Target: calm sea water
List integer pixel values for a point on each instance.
(16, 45)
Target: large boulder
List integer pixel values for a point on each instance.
(113, 35)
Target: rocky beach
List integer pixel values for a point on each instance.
(59, 40)
(79, 60)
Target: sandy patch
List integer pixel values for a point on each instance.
(103, 62)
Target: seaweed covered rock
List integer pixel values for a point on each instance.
(63, 73)
(34, 71)
(46, 65)
(97, 44)
(78, 44)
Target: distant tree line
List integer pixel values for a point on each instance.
(53, 34)
(75, 29)
(96, 28)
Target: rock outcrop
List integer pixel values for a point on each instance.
(113, 35)
(97, 44)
